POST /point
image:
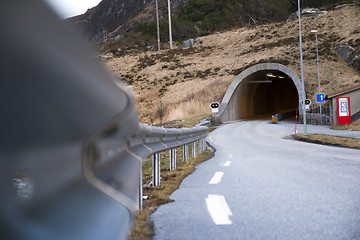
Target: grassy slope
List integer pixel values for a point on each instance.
(329, 140)
(186, 81)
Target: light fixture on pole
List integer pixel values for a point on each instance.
(170, 33)
(302, 72)
(318, 71)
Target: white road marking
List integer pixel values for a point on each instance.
(216, 178)
(218, 209)
(227, 164)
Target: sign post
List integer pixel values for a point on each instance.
(343, 107)
(215, 108)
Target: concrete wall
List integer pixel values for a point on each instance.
(243, 100)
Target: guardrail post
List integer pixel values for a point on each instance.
(200, 147)
(156, 169)
(140, 196)
(172, 159)
(194, 149)
(186, 152)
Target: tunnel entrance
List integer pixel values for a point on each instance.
(265, 93)
(260, 91)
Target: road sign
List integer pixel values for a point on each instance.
(215, 107)
(344, 114)
(320, 97)
(307, 102)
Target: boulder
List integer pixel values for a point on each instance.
(307, 12)
(349, 54)
(188, 43)
(340, 6)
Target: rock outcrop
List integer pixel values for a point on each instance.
(117, 16)
(349, 54)
(98, 21)
(307, 12)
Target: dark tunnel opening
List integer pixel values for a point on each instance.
(265, 93)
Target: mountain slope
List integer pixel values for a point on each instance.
(115, 15)
(112, 19)
(185, 81)
(107, 16)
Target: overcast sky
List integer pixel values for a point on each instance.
(69, 8)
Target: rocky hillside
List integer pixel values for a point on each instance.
(123, 20)
(113, 18)
(174, 84)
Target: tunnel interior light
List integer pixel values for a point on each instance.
(275, 76)
(260, 81)
(269, 77)
(263, 81)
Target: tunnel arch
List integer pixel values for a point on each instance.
(263, 89)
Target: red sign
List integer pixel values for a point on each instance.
(343, 107)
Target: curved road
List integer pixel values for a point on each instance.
(262, 185)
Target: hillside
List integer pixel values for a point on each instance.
(182, 82)
(124, 22)
(111, 18)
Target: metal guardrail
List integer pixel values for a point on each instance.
(156, 139)
(129, 150)
(69, 134)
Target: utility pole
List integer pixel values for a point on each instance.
(170, 33)
(302, 72)
(104, 34)
(317, 59)
(329, 82)
(157, 25)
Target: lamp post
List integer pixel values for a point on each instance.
(157, 25)
(317, 59)
(170, 34)
(302, 72)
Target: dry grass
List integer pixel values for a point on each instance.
(329, 140)
(355, 126)
(170, 181)
(196, 102)
(186, 109)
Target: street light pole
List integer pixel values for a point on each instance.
(318, 70)
(170, 33)
(302, 72)
(157, 25)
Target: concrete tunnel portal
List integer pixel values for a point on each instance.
(261, 91)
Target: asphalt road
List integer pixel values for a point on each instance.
(262, 185)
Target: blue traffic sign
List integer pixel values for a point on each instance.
(320, 97)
